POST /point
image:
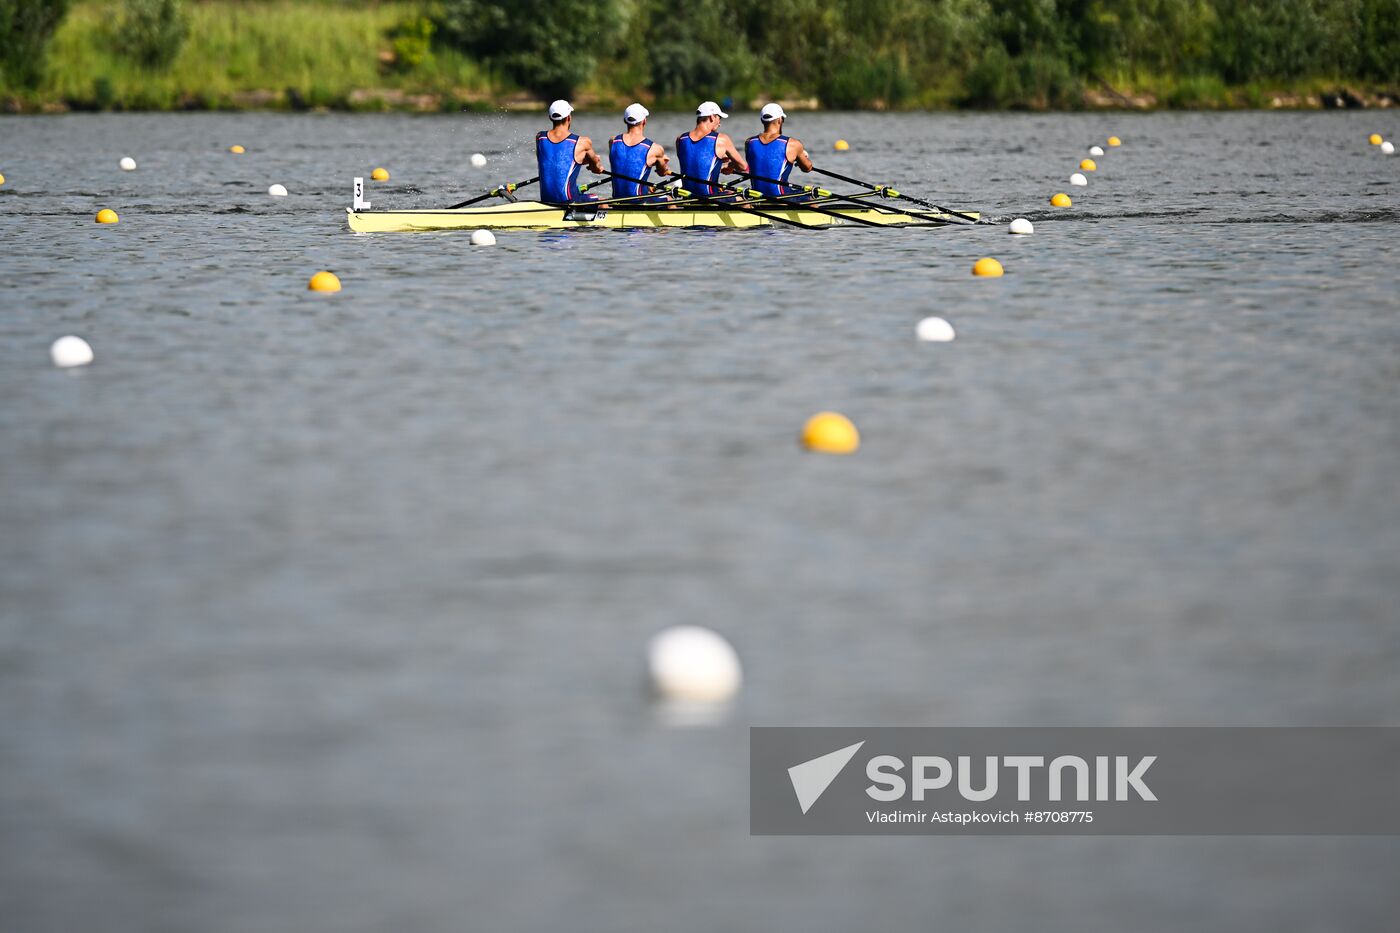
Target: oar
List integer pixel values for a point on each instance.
(745, 198)
(607, 202)
(690, 195)
(656, 190)
(804, 190)
(657, 187)
(889, 192)
(497, 191)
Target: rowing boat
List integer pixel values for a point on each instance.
(534, 215)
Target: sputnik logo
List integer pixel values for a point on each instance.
(811, 778)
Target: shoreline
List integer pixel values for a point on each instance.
(381, 57)
(397, 100)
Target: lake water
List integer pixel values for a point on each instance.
(327, 613)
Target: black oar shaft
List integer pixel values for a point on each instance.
(496, 192)
(701, 181)
(807, 190)
(766, 200)
(741, 201)
(890, 192)
(654, 192)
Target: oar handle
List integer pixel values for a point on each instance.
(607, 202)
(797, 189)
(746, 198)
(654, 185)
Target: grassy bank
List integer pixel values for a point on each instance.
(932, 54)
(256, 55)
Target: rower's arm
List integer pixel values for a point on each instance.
(659, 158)
(585, 154)
(800, 158)
(724, 147)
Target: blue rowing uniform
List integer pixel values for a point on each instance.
(698, 160)
(632, 162)
(769, 160)
(559, 169)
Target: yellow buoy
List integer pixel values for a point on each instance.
(988, 267)
(324, 282)
(1375, 139)
(840, 145)
(106, 216)
(1114, 141)
(236, 150)
(1088, 165)
(1061, 200)
(830, 432)
(380, 174)
(2, 179)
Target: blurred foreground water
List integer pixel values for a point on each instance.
(327, 612)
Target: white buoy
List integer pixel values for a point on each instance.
(1095, 150)
(1388, 147)
(277, 191)
(1078, 179)
(128, 164)
(935, 330)
(478, 160)
(691, 664)
(483, 238)
(1021, 226)
(70, 351)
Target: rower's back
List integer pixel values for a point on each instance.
(628, 153)
(556, 150)
(698, 160)
(768, 159)
(771, 157)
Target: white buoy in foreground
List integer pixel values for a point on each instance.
(935, 330)
(70, 351)
(483, 238)
(1078, 179)
(1021, 226)
(478, 160)
(1095, 150)
(277, 191)
(128, 164)
(1388, 147)
(691, 664)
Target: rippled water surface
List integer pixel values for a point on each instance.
(326, 613)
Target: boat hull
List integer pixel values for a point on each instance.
(532, 215)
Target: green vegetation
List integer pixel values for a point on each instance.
(547, 46)
(25, 29)
(152, 31)
(449, 54)
(987, 53)
(253, 54)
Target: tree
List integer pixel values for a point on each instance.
(547, 46)
(25, 29)
(152, 31)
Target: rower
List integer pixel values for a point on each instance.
(632, 154)
(704, 152)
(773, 155)
(561, 153)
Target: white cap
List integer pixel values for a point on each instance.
(634, 114)
(771, 112)
(560, 109)
(709, 109)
